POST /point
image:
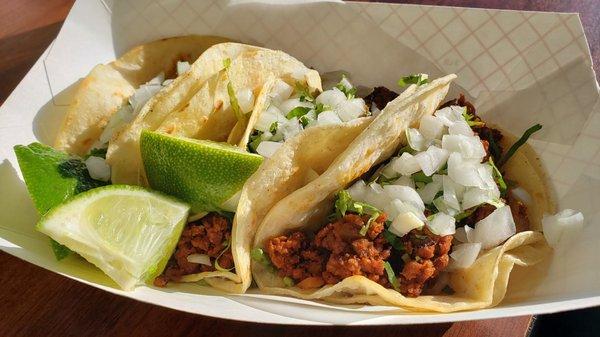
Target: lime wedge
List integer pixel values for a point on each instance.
(128, 232)
(203, 173)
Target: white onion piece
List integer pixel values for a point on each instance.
(351, 109)
(158, 79)
(199, 259)
(376, 196)
(404, 223)
(464, 255)
(245, 99)
(475, 196)
(143, 95)
(267, 148)
(521, 194)
(375, 110)
(328, 117)
(123, 116)
(397, 206)
(280, 92)
(450, 114)
(453, 192)
(460, 128)
(432, 160)
(289, 104)
(495, 228)
(431, 127)
(463, 234)
(405, 194)
(415, 139)
(268, 117)
(464, 172)
(563, 222)
(331, 97)
(182, 67)
(467, 146)
(442, 224)
(290, 128)
(404, 181)
(345, 83)
(429, 191)
(358, 190)
(98, 168)
(486, 174)
(406, 164)
(442, 206)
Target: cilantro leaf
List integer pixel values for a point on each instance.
(233, 101)
(320, 107)
(304, 93)
(393, 240)
(470, 119)
(418, 79)
(391, 276)
(254, 141)
(298, 112)
(350, 92)
(498, 177)
(519, 143)
(420, 177)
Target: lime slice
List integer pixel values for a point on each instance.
(203, 173)
(128, 232)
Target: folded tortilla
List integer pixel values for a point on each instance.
(107, 87)
(197, 104)
(482, 285)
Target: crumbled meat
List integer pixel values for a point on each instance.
(337, 251)
(427, 257)
(207, 236)
(381, 96)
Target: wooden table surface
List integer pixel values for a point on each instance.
(35, 302)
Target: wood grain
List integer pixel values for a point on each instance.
(36, 302)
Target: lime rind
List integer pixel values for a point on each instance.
(126, 231)
(203, 173)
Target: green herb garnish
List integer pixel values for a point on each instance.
(498, 177)
(297, 112)
(254, 141)
(273, 127)
(393, 240)
(258, 255)
(470, 119)
(304, 94)
(519, 143)
(233, 101)
(464, 214)
(420, 177)
(349, 92)
(288, 281)
(345, 203)
(320, 107)
(391, 276)
(418, 79)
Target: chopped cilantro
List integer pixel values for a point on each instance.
(298, 112)
(288, 281)
(320, 107)
(273, 128)
(519, 143)
(498, 177)
(349, 92)
(420, 177)
(304, 93)
(465, 214)
(391, 276)
(470, 119)
(258, 255)
(393, 240)
(255, 139)
(60, 251)
(418, 79)
(383, 180)
(345, 203)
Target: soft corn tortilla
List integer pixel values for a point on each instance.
(197, 104)
(482, 285)
(107, 87)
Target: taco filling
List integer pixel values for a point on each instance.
(204, 246)
(430, 209)
(293, 109)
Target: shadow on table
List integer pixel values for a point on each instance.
(577, 323)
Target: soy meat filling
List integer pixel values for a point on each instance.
(338, 251)
(210, 236)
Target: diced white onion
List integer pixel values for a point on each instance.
(328, 117)
(404, 223)
(429, 191)
(98, 168)
(376, 196)
(415, 139)
(475, 196)
(157, 80)
(331, 97)
(351, 109)
(442, 224)
(460, 128)
(245, 99)
(405, 194)
(431, 127)
(432, 160)
(280, 92)
(442, 206)
(345, 83)
(289, 104)
(495, 228)
(374, 109)
(123, 116)
(290, 128)
(268, 117)
(563, 222)
(404, 181)
(358, 190)
(199, 259)
(451, 114)
(142, 95)
(467, 146)
(464, 172)
(267, 148)
(453, 193)
(463, 233)
(464, 255)
(406, 164)
(397, 206)
(182, 67)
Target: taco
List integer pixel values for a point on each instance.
(122, 87)
(206, 102)
(430, 229)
